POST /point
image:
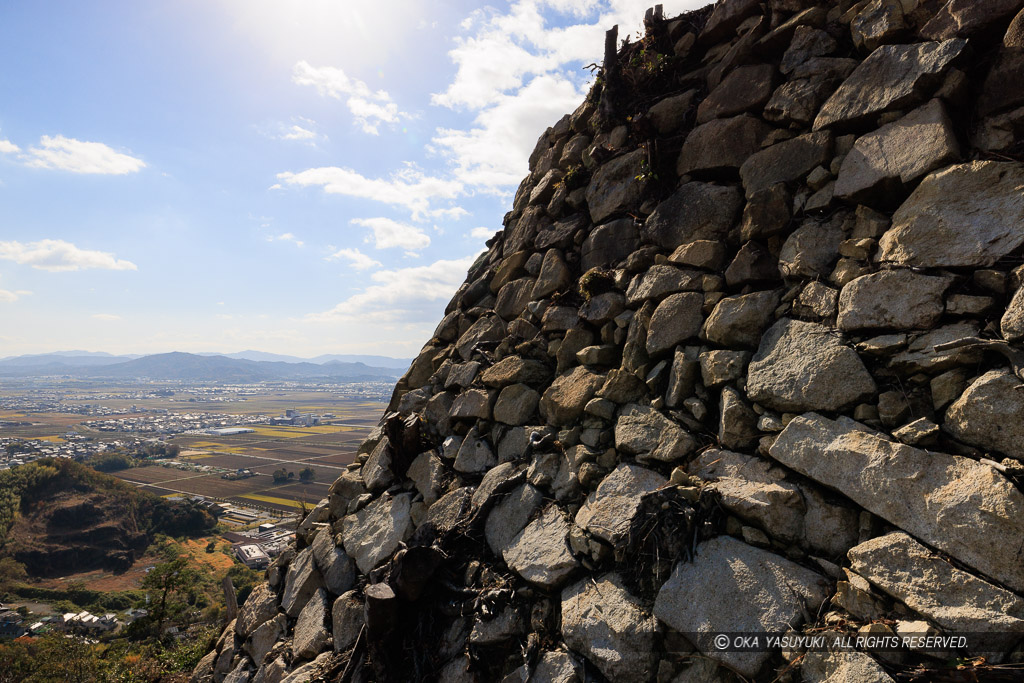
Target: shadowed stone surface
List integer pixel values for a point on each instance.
(892, 77)
(710, 595)
(604, 622)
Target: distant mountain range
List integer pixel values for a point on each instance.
(246, 366)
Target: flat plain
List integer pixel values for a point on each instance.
(205, 458)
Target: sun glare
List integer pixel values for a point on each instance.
(350, 35)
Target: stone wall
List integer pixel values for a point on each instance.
(745, 357)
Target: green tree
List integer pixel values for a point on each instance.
(51, 658)
(11, 574)
(244, 580)
(280, 476)
(307, 474)
(169, 584)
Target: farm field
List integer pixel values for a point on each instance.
(149, 475)
(326, 449)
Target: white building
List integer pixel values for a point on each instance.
(252, 556)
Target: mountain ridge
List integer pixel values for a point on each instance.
(178, 365)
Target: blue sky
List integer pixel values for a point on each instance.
(298, 177)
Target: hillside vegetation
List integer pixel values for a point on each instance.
(58, 516)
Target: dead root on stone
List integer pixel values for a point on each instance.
(964, 671)
(666, 529)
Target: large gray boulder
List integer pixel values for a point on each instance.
(811, 250)
(510, 515)
(758, 491)
(892, 77)
(450, 509)
(373, 534)
(920, 354)
(1011, 325)
(265, 637)
(735, 588)
(885, 161)
(726, 18)
(928, 584)
(968, 215)
(785, 162)
(990, 414)
(516, 404)
(646, 433)
(513, 298)
(472, 404)
(676, 319)
(958, 505)
(376, 471)
(346, 620)
(737, 422)
(721, 145)
(892, 299)
(605, 624)
(608, 244)
(514, 369)
(563, 402)
(962, 18)
(555, 666)
(745, 88)
(803, 366)
(428, 474)
(300, 582)
(608, 511)
(845, 666)
(260, 606)
(738, 321)
(754, 490)
(487, 328)
(311, 634)
(475, 454)
(335, 565)
(660, 280)
(554, 275)
(540, 552)
(696, 211)
(616, 186)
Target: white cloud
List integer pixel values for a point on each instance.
(297, 132)
(106, 316)
(401, 295)
(299, 129)
(388, 233)
(408, 188)
(510, 48)
(8, 147)
(58, 255)
(370, 108)
(481, 233)
(7, 296)
(454, 213)
(76, 156)
(286, 237)
(356, 259)
(519, 73)
(494, 153)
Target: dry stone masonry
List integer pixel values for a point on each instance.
(746, 356)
